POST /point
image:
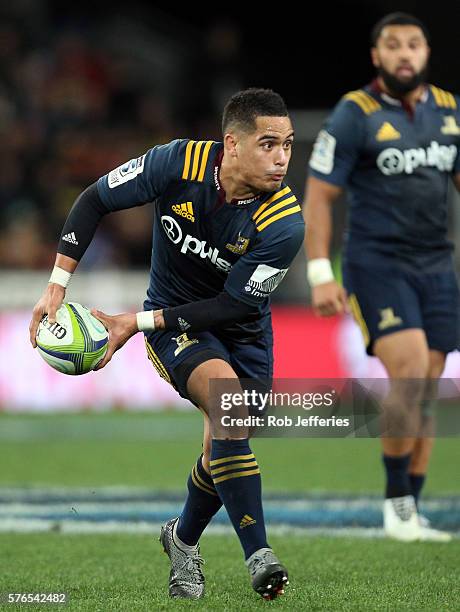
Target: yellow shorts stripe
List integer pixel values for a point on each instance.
(280, 215)
(159, 367)
(276, 207)
(236, 475)
(233, 466)
(276, 196)
(358, 316)
(188, 156)
(228, 459)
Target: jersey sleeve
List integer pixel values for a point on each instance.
(259, 272)
(141, 179)
(338, 144)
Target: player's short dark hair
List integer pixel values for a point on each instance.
(397, 19)
(245, 106)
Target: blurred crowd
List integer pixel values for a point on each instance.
(78, 99)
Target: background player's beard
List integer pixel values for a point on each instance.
(399, 87)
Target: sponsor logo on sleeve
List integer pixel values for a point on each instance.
(264, 280)
(322, 158)
(126, 172)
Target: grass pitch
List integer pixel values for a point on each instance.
(130, 573)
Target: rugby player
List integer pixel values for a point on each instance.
(226, 230)
(393, 145)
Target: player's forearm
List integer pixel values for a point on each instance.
(318, 235)
(81, 224)
(66, 263)
(198, 316)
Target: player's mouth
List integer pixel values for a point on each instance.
(277, 177)
(405, 71)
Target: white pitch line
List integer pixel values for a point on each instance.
(152, 529)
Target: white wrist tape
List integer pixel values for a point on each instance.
(319, 271)
(60, 277)
(145, 320)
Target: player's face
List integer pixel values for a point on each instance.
(263, 155)
(401, 57)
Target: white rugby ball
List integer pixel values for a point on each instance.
(76, 343)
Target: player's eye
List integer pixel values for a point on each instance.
(288, 144)
(267, 146)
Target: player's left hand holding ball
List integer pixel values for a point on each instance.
(49, 303)
(121, 328)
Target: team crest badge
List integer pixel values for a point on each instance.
(240, 247)
(183, 341)
(388, 319)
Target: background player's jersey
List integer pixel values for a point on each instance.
(201, 243)
(396, 165)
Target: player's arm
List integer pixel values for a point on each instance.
(334, 155)
(137, 182)
(249, 283)
(328, 297)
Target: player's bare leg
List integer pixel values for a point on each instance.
(405, 356)
(424, 444)
(236, 477)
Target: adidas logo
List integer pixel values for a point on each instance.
(387, 132)
(184, 210)
(246, 521)
(183, 324)
(70, 238)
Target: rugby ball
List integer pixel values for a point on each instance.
(75, 343)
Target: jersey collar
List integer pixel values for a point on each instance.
(376, 89)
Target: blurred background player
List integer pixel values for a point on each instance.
(226, 230)
(394, 145)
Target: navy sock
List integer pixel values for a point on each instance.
(416, 483)
(236, 477)
(201, 505)
(398, 483)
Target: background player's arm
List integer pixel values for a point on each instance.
(334, 156)
(328, 298)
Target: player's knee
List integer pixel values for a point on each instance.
(410, 367)
(436, 365)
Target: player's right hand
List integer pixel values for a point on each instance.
(329, 299)
(48, 304)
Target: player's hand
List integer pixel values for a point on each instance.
(120, 327)
(48, 304)
(329, 299)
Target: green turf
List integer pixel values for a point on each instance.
(121, 572)
(157, 450)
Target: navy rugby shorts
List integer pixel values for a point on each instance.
(385, 300)
(175, 355)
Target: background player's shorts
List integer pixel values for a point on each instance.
(386, 300)
(175, 356)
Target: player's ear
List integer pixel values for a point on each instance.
(375, 57)
(230, 143)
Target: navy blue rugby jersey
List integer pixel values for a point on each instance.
(201, 243)
(396, 166)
